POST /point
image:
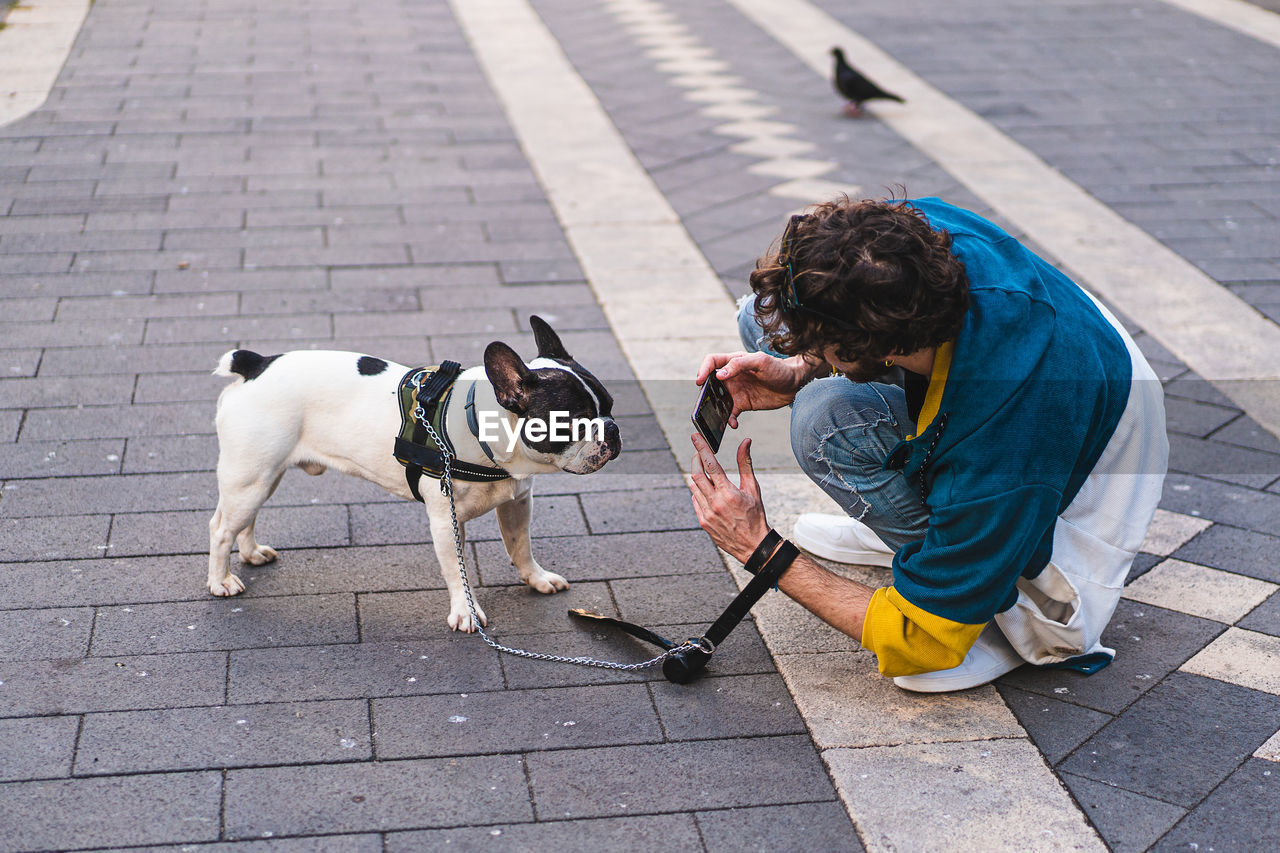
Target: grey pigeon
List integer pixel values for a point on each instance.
(857, 88)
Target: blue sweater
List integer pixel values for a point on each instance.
(1037, 381)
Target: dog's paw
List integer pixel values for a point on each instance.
(460, 619)
(259, 556)
(547, 582)
(230, 585)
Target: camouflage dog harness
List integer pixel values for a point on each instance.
(424, 394)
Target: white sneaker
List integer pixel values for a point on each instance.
(842, 539)
(990, 658)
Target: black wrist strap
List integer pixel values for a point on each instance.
(779, 563)
(762, 552)
(759, 585)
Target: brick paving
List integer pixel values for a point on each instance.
(316, 174)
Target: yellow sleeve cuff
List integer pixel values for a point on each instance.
(908, 640)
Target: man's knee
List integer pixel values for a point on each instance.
(857, 413)
(831, 405)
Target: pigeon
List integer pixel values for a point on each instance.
(850, 83)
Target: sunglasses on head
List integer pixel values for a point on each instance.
(790, 299)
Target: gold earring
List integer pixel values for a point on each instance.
(888, 362)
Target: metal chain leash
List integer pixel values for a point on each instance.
(446, 486)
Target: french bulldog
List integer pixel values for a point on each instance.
(316, 410)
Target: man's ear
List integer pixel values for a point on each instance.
(548, 341)
(509, 376)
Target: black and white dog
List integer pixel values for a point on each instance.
(316, 410)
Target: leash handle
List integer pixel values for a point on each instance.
(754, 591)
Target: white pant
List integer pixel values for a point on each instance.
(1062, 612)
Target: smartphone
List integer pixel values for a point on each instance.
(711, 415)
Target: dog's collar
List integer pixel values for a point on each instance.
(473, 422)
(424, 394)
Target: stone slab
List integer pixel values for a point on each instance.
(70, 813)
(223, 736)
(615, 781)
(1199, 591)
(1128, 822)
(65, 390)
(981, 795)
(1271, 749)
(36, 498)
(1239, 813)
(1169, 531)
(455, 664)
(626, 512)
(1056, 727)
(187, 532)
(1247, 658)
(362, 843)
(1265, 618)
(377, 796)
(62, 538)
(1132, 752)
(405, 522)
(61, 458)
(36, 634)
(1222, 502)
(1245, 552)
(170, 454)
(79, 685)
(225, 623)
(691, 598)
(727, 707)
(800, 826)
(115, 421)
(37, 747)
(479, 723)
(847, 703)
(676, 833)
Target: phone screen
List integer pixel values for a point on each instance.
(711, 415)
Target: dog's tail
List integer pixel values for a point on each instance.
(243, 363)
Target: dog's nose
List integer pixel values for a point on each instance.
(613, 437)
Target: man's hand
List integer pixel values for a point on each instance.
(732, 515)
(758, 381)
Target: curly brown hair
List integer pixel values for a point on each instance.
(872, 280)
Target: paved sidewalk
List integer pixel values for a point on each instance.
(312, 174)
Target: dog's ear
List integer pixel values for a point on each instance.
(509, 375)
(548, 341)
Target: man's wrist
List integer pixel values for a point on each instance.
(762, 552)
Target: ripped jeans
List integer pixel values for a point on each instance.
(841, 433)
